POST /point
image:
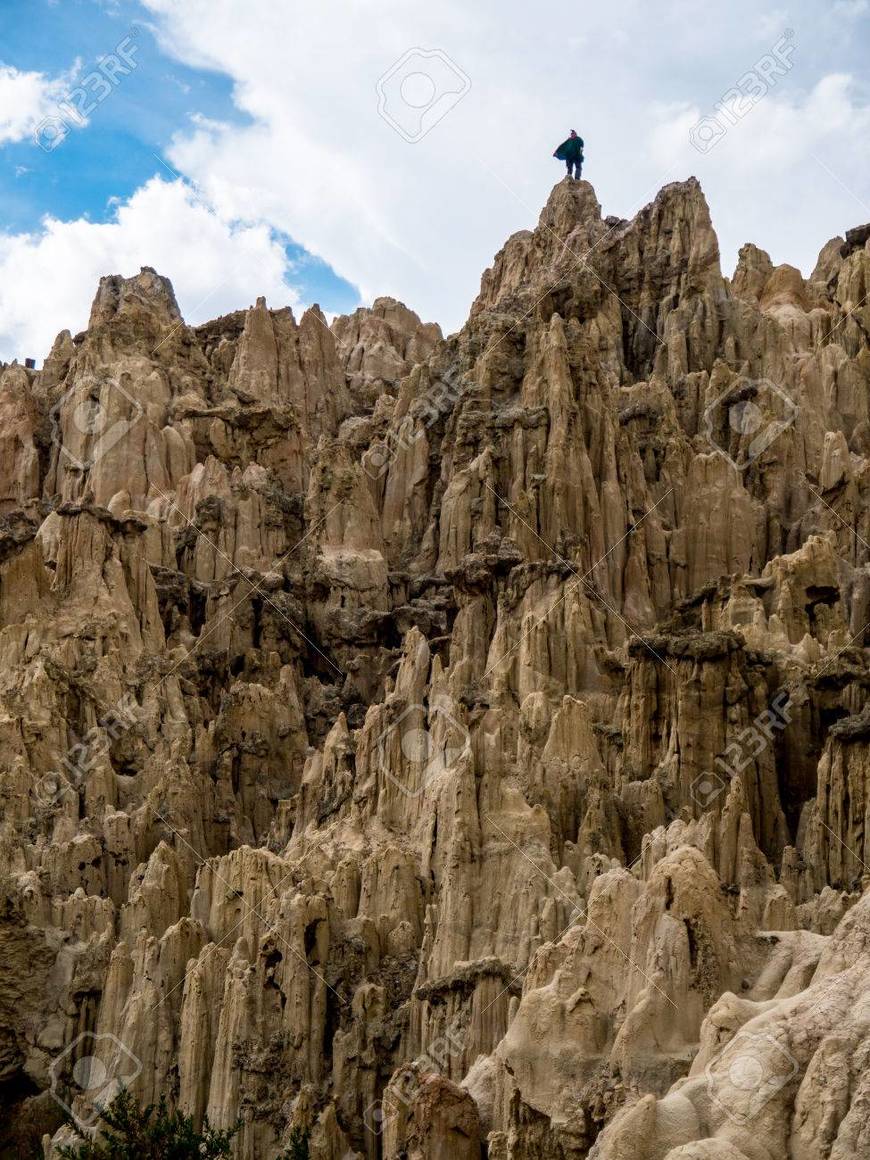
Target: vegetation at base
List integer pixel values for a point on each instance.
(128, 1132)
(297, 1146)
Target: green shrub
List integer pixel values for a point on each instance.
(297, 1147)
(128, 1132)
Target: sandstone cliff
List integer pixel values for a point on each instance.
(449, 747)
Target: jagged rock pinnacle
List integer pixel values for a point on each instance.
(447, 747)
(147, 291)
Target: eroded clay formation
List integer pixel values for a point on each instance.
(449, 747)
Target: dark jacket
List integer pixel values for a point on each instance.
(570, 150)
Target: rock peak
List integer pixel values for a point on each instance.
(450, 747)
(575, 198)
(146, 291)
(672, 235)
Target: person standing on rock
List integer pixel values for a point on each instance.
(571, 152)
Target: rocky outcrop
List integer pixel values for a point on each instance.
(379, 345)
(448, 747)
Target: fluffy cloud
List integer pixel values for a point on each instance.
(851, 9)
(393, 214)
(786, 170)
(48, 278)
(774, 130)
(421, 218)
(27, 99)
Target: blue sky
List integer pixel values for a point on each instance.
(126, 141)
(267, 146)
(121, 148)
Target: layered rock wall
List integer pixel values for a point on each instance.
(449, 747)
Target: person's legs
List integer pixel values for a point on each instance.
(569, 164)
(578, 165)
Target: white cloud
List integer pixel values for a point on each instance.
(48, 278)
(311, 158)
(771, 25)
(422, 221)
(27, 99)
(790, 160)
(851, 9)
(777, 130)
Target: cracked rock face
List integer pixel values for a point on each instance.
(449, 747)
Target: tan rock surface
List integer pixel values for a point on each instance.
(449, 747)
